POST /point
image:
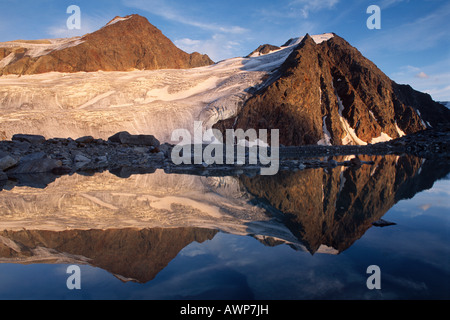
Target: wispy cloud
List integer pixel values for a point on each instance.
(433, 79)
(390, 3)
(422, 75)
(307, 6)
(423, 33)
(218, 46)
(167, 11)
(295, 9)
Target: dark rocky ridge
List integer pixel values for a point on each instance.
(302, 95)
(126, 45)
(263, 49)
(33, 161)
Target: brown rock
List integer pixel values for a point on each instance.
(324, 83)
(124, 45)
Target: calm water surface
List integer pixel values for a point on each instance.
(298, 235)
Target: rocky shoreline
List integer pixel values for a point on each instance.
(32, 159)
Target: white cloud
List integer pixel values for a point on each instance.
(307, 6)
(218, 47)
(422, 75)
(433, 79)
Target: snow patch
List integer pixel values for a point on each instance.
(117, 19)
(327, 250)
(40, 47)
(350, 137)
(421, 120)
(326, 141)
(400, 132)
(322, 37)
(382, 138)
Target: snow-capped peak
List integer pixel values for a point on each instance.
(319, 38)
(117, 19)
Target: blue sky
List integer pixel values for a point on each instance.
(412, 46)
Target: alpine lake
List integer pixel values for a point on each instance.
(378, 231)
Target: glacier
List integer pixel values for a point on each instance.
(141, 101)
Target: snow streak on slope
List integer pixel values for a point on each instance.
(37, 48)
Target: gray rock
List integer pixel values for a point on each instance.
(33, 156)
(31, 138)
(101, 159)
(166, 149)
(383, 223)
(21, 146)
(81, 158)
(355, 162)
(332, 163)
(3, 176)
(141, 149)
(141, 139)
(85, 139)
(7, 162)
(36, 166)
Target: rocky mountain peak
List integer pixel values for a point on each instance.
(327, 92)
(123, 44)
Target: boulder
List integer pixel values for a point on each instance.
(85, 139)
(36, 166)
(355, 162)
(7, 162)
(33, 156)
(31, 138)
(81, 158)
(383, 223)
(142, 139)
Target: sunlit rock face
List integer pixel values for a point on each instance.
(123, 44)
(329, 93)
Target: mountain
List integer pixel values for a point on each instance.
(138, 224)
(327, 92)
(445, 103)
(335, 208)
(316, 89)
(123, 44)
(130, 254)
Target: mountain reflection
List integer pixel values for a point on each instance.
(333, 208)
(135, 225)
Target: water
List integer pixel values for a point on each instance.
(304, 235)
